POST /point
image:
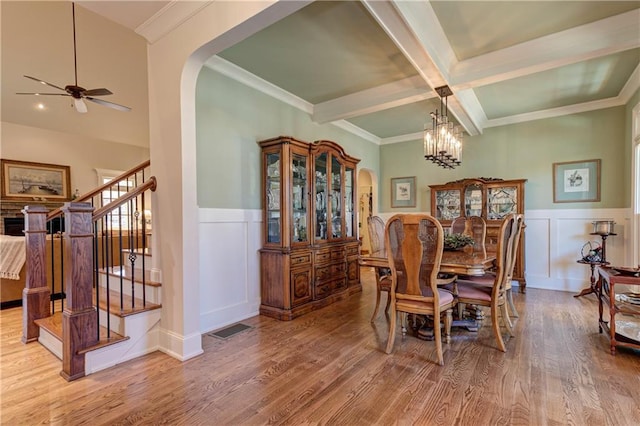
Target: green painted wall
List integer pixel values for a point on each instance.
(230, 119)
(526, 150)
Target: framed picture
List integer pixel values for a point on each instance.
(403, 192)
(576, 181)
(23, 180)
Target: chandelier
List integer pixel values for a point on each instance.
(443, 142)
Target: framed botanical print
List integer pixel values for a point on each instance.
(576, 181)
(403, 192)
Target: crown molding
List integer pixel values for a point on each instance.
(557, 112)
(224, 67)
(240, 75)
(168, 18)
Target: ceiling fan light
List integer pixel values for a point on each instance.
(80, 105)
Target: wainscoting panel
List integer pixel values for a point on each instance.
(229, 266)
(554, 239)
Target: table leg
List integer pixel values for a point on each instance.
(592, 280)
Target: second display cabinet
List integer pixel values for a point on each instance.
(309, 257)
(492, 199)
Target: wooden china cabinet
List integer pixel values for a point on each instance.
(309, 257)
(490, 198)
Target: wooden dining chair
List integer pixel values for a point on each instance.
(375, 225)
(477, 228)
(414, 244)
(473, 226)
(458, 225)
(489, 278)
(494, 296)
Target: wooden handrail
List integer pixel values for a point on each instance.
(103, 211)
(58, 212)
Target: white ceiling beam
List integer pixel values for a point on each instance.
(631, 85)
(607, 36)
(397, 93)
(416, 31)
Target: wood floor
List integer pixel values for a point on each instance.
(328, 367)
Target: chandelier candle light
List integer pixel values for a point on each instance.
(443, 142)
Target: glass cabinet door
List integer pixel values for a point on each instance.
(274, 201)
(336, 198)
(350, 217)
(447, 204)
(501, 201)
(473, 200)
(299, 198)
(321, 196)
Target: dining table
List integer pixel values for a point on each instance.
(457, 262)
(465, 262)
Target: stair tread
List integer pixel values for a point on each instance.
(114, 303)
(119, 271)
(53, 324)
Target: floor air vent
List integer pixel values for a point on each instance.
(227, 332)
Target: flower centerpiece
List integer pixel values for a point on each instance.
(457, 241)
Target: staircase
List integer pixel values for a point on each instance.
(107, 310)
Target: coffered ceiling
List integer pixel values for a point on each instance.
(372, 66)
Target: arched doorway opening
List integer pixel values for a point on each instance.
(367, 205)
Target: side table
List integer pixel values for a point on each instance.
(628, 335)
(593, 285)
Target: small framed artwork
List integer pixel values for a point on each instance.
(576, 181)
(23, 180)
(403, 192)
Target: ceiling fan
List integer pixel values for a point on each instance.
(78, 93)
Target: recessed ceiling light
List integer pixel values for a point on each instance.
(40, 106)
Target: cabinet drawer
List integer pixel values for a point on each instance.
(322, 256)
(300, 259)
(340, 284)
(352, 250)
(337, 253)
(338, 269)
(322, 273)
(323, 290)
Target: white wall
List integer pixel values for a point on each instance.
(82, 154)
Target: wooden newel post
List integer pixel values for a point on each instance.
(36, 295)
(79, 318)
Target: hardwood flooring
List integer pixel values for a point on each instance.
(329, 367)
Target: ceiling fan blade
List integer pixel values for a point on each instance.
(97, 92)
(44, 82)
(44, 94)
(81, 107)
(109, 104)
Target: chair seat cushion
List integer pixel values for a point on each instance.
(446, 298)
(486, 279)
(474, 292)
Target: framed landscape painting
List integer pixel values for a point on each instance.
(576, 181)
(26, 180)
(403, 192)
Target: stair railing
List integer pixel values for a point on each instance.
(88, 237)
